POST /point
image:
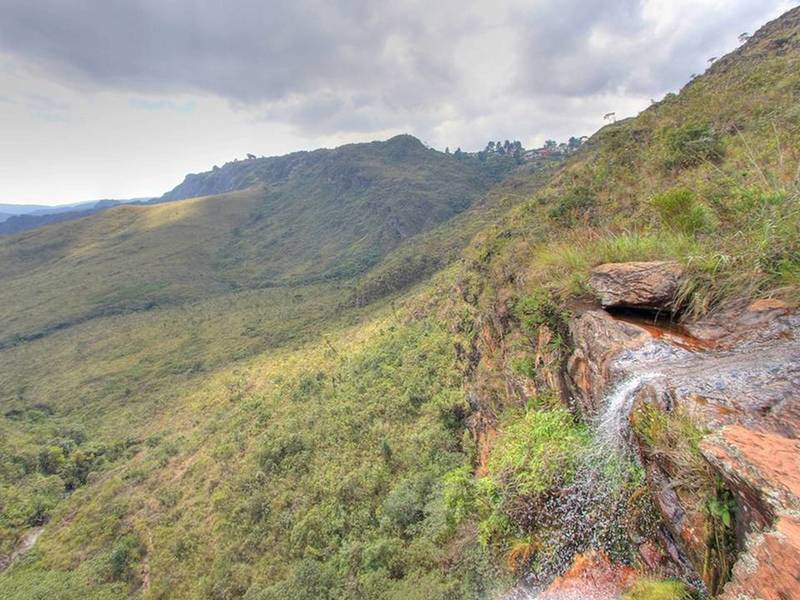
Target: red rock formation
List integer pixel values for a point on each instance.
(763, 471)
(651, 285)
(591, 576)
(741, 382)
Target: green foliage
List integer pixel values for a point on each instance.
(524, 366)
(674, 439)
(37, 477)
(127, 552)
(459, 494)
(652, 589)
(573, 207)
(722, 508)
(536, 451)
(279, 466)
(690, 145)
(539, 308)
(327, 475)
(681, 211)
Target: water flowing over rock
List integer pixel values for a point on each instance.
(650, 285)
(741, 379)
(737, 379)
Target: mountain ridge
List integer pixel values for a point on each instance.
(268, 426)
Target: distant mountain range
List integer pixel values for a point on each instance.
(15, 218)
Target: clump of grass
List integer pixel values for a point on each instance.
(536, 453)
(566, 264)
(536, 450)
(680, 211)
(575, 206)
(674, 437)
(673, 440)
(653, 589)
(691, 145)
(540, 309)
(521, 552)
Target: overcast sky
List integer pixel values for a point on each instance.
(122, 98)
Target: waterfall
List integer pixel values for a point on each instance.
(611, 425)
(590, 513)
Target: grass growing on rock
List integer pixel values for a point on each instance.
(672, 440)
(535, 454)
(652, 589)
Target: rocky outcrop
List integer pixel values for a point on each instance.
(599, 339)
(763, 471)
(644, 285)
(736, 375)
(763, 319)
(593, 576)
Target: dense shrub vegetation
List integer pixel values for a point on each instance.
(270, 415)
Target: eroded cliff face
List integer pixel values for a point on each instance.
(711, 408)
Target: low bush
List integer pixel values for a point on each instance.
(126, 553)
(691, 145)
(680, 210)
(536, 451)
(535, 454)
(575, 206)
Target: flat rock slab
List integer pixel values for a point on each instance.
(646, 285)
(591, 577)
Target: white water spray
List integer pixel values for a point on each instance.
(591, 512)
(611, 427)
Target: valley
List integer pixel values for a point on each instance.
(385, 371)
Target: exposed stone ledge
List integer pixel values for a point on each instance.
(646, 285)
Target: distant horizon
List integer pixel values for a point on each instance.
(73, 202)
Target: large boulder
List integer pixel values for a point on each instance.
(645, 285)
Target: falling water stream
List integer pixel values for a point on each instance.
(590, 513)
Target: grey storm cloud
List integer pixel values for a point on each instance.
(248, 50)
(579, 48)
(360, 65)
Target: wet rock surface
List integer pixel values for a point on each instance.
(598, 339)
(650, 285)
(737, 375)
(593, 576)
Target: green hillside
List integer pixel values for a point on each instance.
(271, 393)
(331, 218)
(133, 311)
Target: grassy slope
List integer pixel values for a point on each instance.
(730, 139)
(329, 219)
(135, 314)
(314, 468)
(709, 177)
